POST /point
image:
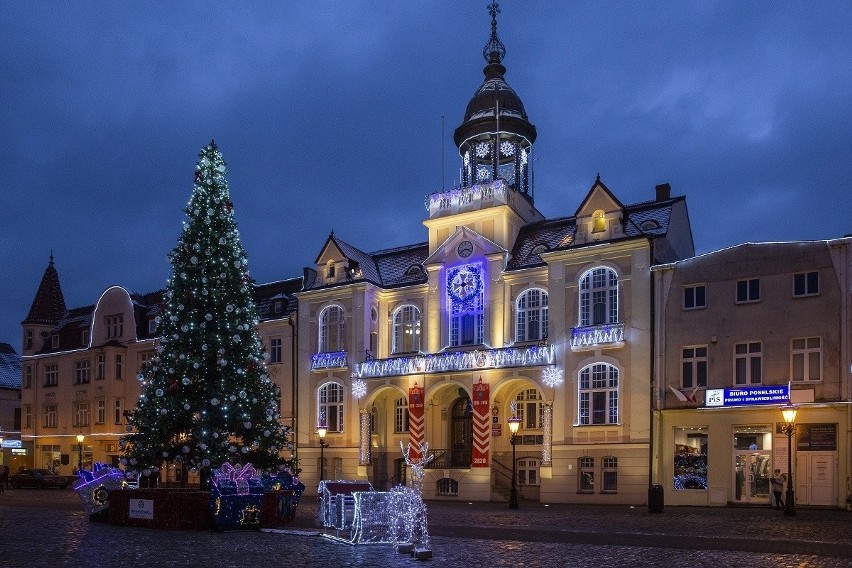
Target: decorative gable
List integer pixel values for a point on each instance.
(462, 246)
(600, 215)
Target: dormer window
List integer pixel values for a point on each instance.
(114, 326)
(598, 222)
(85, 337)
(330, 270)
(276, 307)
(54, 341)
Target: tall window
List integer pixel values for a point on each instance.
(81, 372)
(748, 290)
(50, 416)
(586, 471)
(528, 406)
(330, 407)
(332, 327)
(806, 284)
(119, 365)
(694, 366)
(748, 363)
(28, 376)
(806, 355)
(690, 458)
(406, 330)
(28, 416)
(532, 315)
(599, 297)
(29, 341)
(81, 414)
(610, 474)
(51, 375)
(275, 350)
(117, 411)
(100, 412)
(400, 417)
(114, 326)
(466, 304)
(694, 297)
(100, 366)
(598, 394)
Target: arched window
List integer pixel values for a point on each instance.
(528, 407)
(406, 329)
(331, 330)
(531, 309)
(330, 407)
(599, 297)
(598, 390)
(598, 222)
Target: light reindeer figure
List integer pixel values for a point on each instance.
(410, 519)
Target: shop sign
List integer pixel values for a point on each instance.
(816, 437)
(748, 396)
(141, 509)
(10, 444)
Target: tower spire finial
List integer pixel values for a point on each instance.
(494, 51)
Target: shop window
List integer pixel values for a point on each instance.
(447, 487)
(586, 470)
(690, 459)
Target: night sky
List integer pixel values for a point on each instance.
(329, 115)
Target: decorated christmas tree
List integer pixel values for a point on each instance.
(206, 398)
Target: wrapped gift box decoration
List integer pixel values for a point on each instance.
(93, 487)
(236, 497)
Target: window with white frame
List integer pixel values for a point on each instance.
(400, 417)
(599, 297)
(748, 290)
(331, 330)
(50, 416)
(598, 391)
(609, 474)
(81, 413)
(100, 366)
(806, 359)
(406, 329)
(275, 350)
(586, 474)
(528, 471)
(28, 416)
(100, 411)
(330, 407)
(114, 326)
(694, 366)
(748, 363)
(51, 375)
(119, 366)
(117, 411)
(531, 309)
(694, 297)
(466, 304)
(81, 372)
(806, 284)
(528, 407)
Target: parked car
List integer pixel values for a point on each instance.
(40, 478)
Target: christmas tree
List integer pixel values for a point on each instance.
(206, 398)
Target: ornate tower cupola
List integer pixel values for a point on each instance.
(495, 139)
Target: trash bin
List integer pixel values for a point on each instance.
(655, 498)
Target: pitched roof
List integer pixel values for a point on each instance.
(388, 268)
(276, 299)
(10, 367)
(49, 303)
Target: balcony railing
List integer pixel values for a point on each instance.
(526, 356)
(591, 336)
(331, 360)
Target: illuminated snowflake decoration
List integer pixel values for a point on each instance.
(359, 388)
(552, 376)
(483, 149)
(507, 148)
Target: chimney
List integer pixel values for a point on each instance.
(664, 191)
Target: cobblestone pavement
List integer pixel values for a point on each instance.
(49, 528)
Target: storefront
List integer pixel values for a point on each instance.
(725, 452)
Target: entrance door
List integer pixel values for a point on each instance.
(821, 481)
(752, 470)
(461, 433)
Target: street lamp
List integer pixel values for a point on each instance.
(80, 438)
(789, 413)
(322, 431)
(514, 424)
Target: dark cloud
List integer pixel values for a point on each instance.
(329, 116)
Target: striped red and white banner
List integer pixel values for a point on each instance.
(481, 424)
(416, 422)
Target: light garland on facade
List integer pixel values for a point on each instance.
(462, 196)
(552, 376)
(364, 456)
(592, 335)
(547, 431)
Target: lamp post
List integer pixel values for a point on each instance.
(789, 413)
(80, 439)
(322, 431)
(514, 424)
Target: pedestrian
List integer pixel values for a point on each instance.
(777, 481)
